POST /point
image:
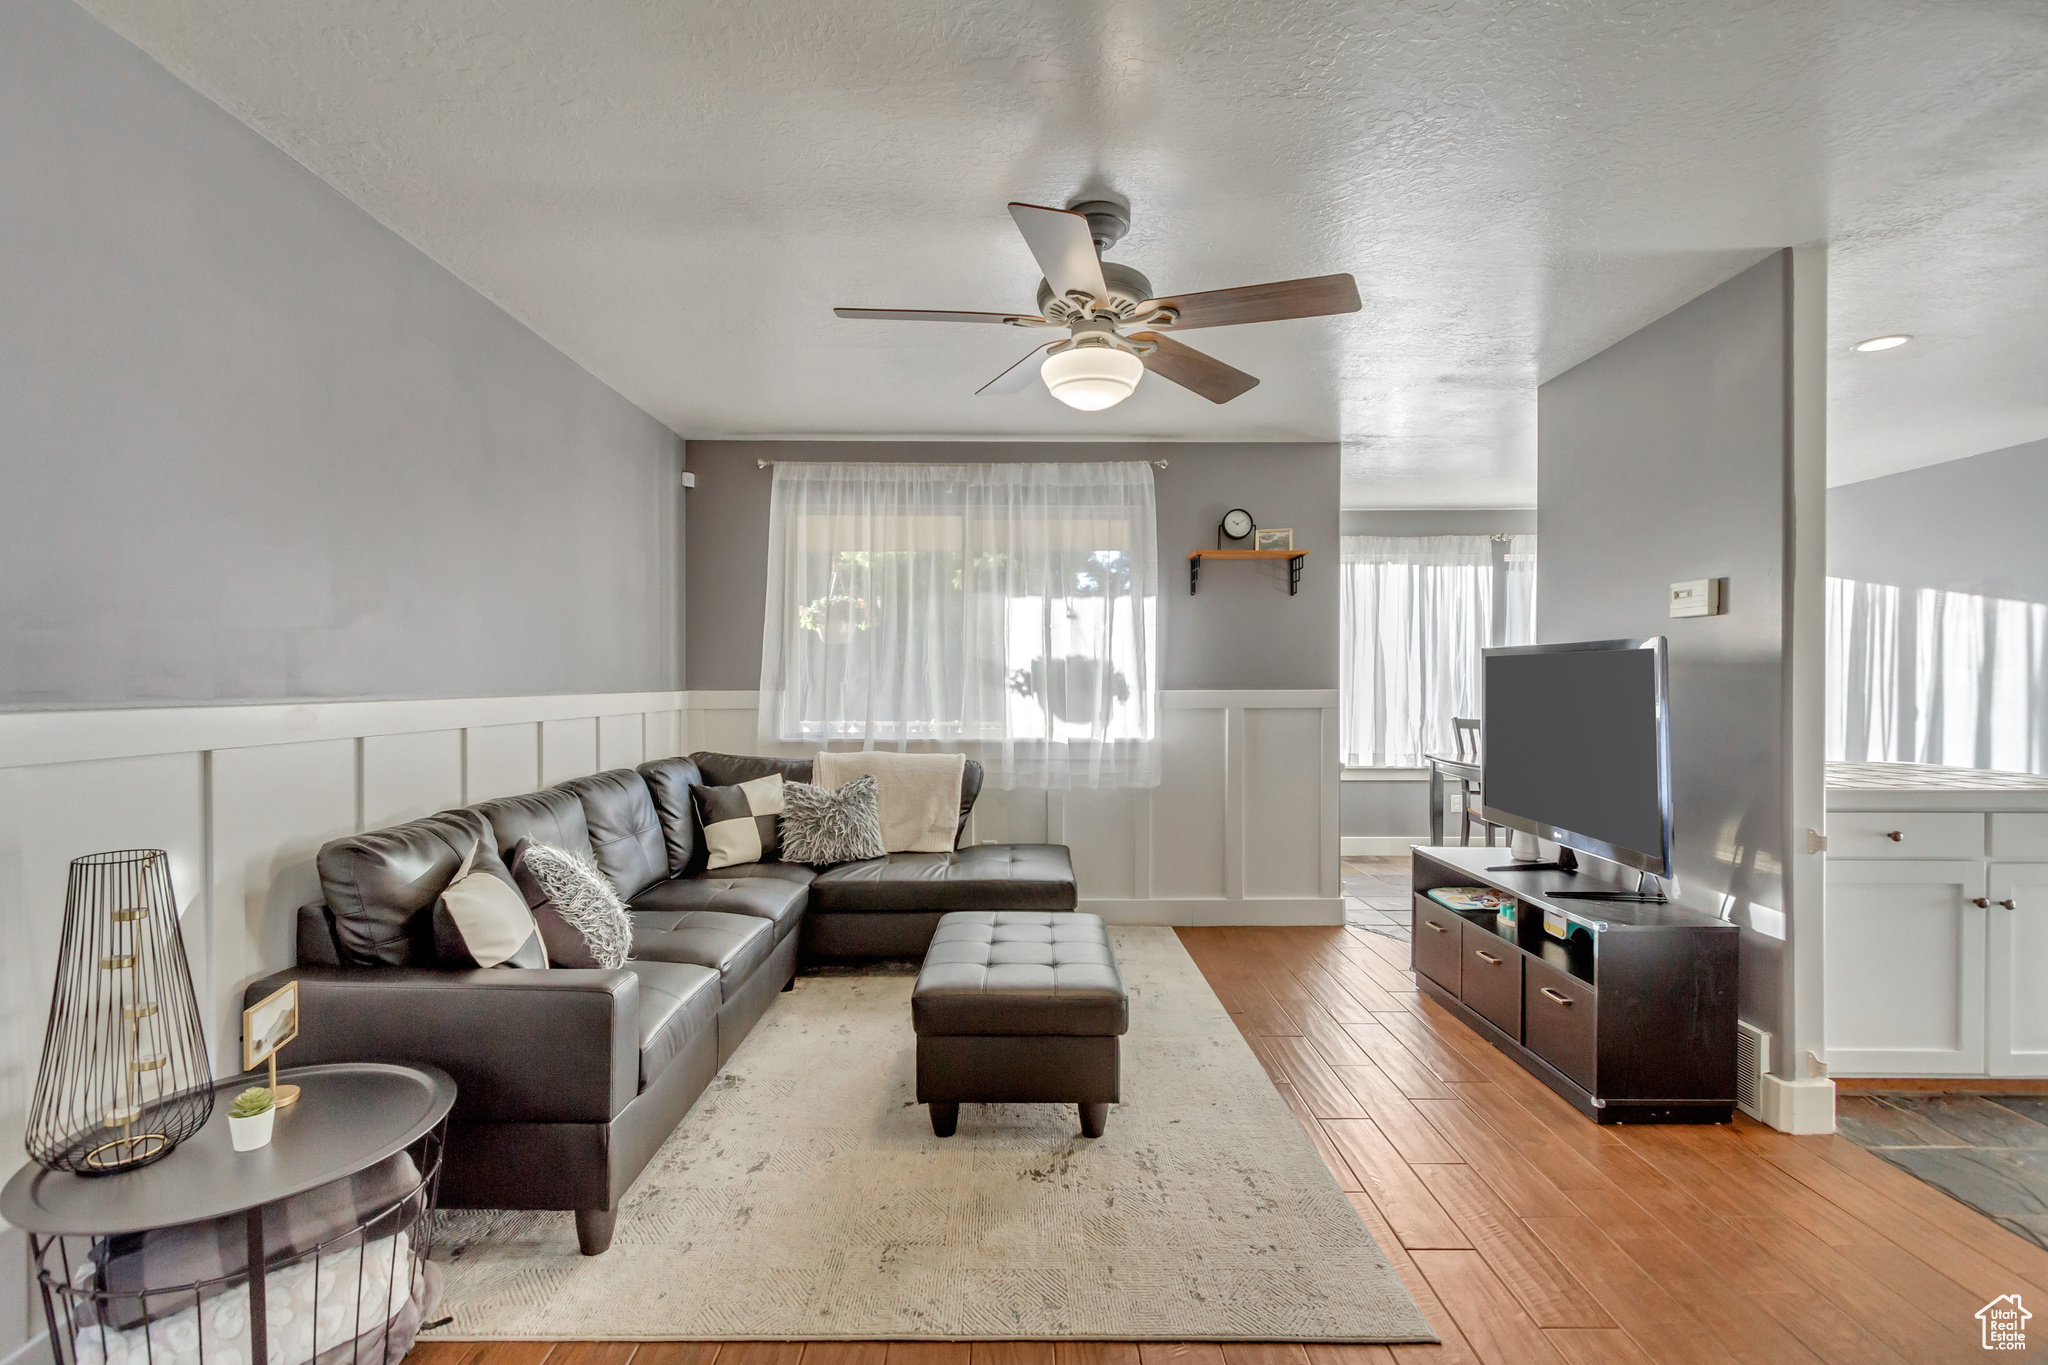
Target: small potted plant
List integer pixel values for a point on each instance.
(250, 1118)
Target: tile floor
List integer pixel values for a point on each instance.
(1376, 896)
(1989, 1151)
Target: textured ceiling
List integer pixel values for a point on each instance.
(676, 194)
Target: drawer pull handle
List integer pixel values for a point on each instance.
(1560, 999)
(2008, 905)
(1895, 835)
(1486, 957)
(1438, 927)
(1980, 902)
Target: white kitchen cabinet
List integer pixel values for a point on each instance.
(2016, 1040)
(1928, 972)
(1905, 962)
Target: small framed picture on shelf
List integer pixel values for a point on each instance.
(1275, 538)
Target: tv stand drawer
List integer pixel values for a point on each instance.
(1436, 941)
(1560, 1021)
(1491, 978)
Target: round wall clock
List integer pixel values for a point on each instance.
(1237, 524)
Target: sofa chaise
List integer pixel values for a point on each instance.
(570, 1080)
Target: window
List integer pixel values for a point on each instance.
(1922, 675)
(1416, 612)
(1010, 610)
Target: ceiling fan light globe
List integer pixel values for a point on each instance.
(1092, 378)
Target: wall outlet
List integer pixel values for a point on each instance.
(1696, 597)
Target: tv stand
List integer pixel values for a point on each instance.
(1632, 1019)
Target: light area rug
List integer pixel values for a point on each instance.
(805, 1197)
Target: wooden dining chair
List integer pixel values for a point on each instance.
(1466, 731)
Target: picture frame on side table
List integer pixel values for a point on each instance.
(268, 1025)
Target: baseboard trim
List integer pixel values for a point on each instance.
(1801, 1107)
(1379, 845)
(1219, 911)
(1978, 1085)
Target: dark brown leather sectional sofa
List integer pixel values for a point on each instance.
(570, 1080)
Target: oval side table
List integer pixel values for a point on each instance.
(349, 1117)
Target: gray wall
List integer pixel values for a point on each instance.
(1663, 458)
(1454, 521)
(1241, 630)
(1387, 810)
(256, 446)
(1978, 526)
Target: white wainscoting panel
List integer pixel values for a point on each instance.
(1241, 830)
(50, 814)
(1282, 823)
(1187, 808)
(272, 808)
(621, 742)
(568, 748)
(407, 776)
(664, 732)
(242, 797)
(500, 760)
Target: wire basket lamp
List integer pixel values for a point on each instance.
(124, 1077)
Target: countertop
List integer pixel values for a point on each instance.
(1929, 786)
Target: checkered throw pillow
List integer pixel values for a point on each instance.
(741, 824)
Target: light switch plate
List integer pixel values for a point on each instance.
(1696, 597)
(689, 479)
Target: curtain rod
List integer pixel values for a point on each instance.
(763, 464)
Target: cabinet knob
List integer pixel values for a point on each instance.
(1980, 902)
(2008, 905)
(1895, 835)
(1486, 957)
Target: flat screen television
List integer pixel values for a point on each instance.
(1577, 747)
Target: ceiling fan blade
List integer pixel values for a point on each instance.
(1194, 371)
(1018, 377)
(929, 315)
(1064, 246)
(1311, 298)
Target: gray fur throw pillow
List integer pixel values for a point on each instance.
(582, 920)
(831, 827)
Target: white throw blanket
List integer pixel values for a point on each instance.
(919, 794)
(355, 1295)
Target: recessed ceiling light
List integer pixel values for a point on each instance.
(1882, 343)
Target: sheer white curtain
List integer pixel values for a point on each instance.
(1007, 610)
(1929, 676)
(1415, 613)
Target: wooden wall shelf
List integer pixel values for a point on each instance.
(1294, 560)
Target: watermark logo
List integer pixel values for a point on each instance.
(2005, 1323)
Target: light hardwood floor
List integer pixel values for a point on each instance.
(1526, 1233)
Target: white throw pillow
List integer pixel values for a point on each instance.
(481, 920)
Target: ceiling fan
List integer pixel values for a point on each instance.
(1097, 366)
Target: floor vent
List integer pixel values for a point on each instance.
(1752, 1060)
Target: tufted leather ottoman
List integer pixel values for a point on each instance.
(1018, 1007)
